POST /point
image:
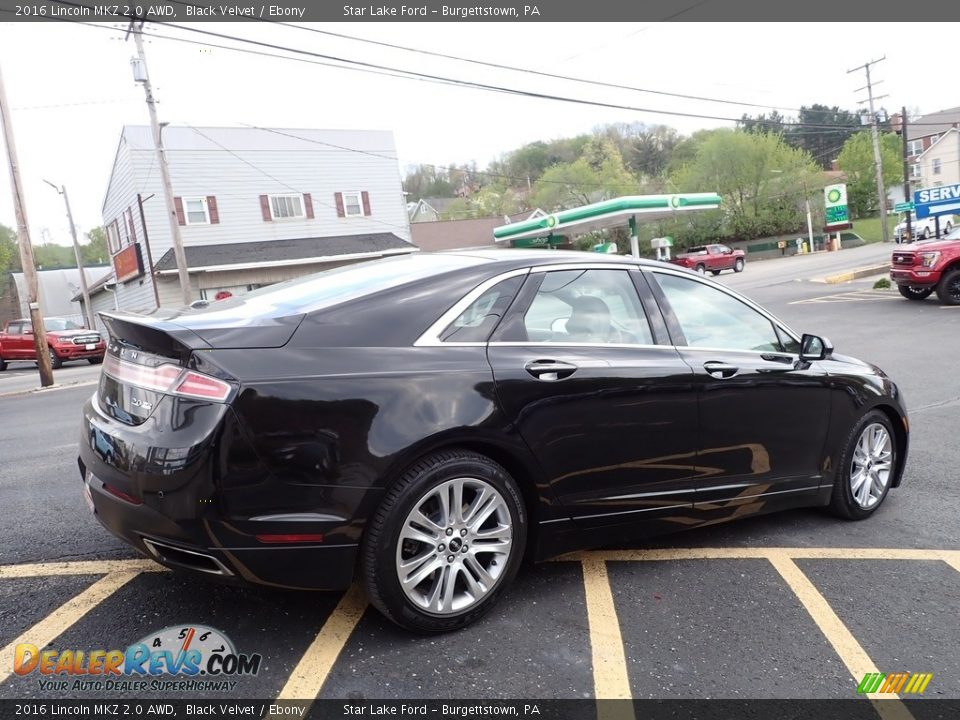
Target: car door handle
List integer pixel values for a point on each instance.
(550, 369)
(720, 370)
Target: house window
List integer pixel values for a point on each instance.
(113, 238)
(936, 166)
(196, 211)
(286, 206)
(914, 147)
(915, 170)
(352, 204)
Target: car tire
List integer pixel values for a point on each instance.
(926, 233)
(413, 536)
(95, 361)
(714, 272)
(949, 227)
(912, 293)
(738, 265)
(55, 362)
(948, 289)
(860, 488)
(3, 365)
(701, 269)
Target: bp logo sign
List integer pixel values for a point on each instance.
(675, 202)
(835, 205)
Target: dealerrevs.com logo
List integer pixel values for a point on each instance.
(177, 658)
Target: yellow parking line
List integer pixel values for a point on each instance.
(57, 622)
(80, 567)
(952, 559)
(307, 678)
(844, 643)
(762, 553)
(610, 679)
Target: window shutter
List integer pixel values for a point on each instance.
(366, 202)
(308, 205)
(338, 197)
(212, 210)
(131, 228)
(265, 208)
(178, 204)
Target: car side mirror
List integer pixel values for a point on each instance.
(814, 347)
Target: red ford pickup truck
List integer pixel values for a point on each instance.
(711, 257)
(922, 267)
(66, 340)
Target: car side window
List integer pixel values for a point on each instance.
(14, 328)
(710, 318)
(482, 315)
(587, 306)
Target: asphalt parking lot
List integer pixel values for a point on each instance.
(797, 605)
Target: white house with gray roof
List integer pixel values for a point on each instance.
(254, 205)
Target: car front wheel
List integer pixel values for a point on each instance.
(914, 293)
(55, 362)
(738, 265)
(866, 468)
(948, 289)
(445, 543)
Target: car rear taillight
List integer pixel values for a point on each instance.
(167, 378)
(291, 538)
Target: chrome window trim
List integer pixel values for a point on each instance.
(431, 336)
(736, 296)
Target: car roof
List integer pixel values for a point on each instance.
(517, 257)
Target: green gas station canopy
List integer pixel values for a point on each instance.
(608, 213)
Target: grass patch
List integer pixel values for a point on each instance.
(869, 228)
(881, 284)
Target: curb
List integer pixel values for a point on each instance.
(857, 273)
(51, 388)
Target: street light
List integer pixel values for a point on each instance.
(88, 310)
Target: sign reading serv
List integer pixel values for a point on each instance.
(937, 200)
(128, 263)
(835, 205)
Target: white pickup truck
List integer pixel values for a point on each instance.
(922, 229)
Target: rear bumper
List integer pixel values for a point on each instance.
(165, 502)
(914, 277)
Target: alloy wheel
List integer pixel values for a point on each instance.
(454, 546)
(871, 465)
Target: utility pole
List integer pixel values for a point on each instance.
(26, 249)
(141, 75)
(881, 191)
(906, 169)
(88, 310)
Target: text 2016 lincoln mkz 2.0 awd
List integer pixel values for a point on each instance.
(427, 422)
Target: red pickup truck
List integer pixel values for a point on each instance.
(922, 267)
(66, 340)
(711, 257)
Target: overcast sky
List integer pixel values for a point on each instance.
(72, 90)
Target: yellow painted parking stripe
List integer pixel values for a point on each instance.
(949, 556)
(610, 679)
(57, 622)
(838, 635)
(80, 567)
(307, 678)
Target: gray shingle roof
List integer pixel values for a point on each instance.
(933, 123)
(201, 256)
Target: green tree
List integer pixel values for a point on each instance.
(761, 179)
(94, 251)
(857, 161)
(598, 175)
(9, 252)
(50, 256)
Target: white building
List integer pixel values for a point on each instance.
(254, 206)
(939, 164)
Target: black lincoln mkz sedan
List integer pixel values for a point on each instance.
(425, 423)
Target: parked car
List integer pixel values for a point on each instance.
(66, 340)
(426, 422)
(712, 258)
(923, 267)
(921, 229)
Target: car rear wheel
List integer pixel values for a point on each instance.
(926, 233)
(55, 362)
(445, 543)
(738, 265)
(3, 365)
(866, 468)
(701, 269)
(714, 272)
(914, 293)
(948, 289)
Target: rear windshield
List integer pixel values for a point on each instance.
(330, 287)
